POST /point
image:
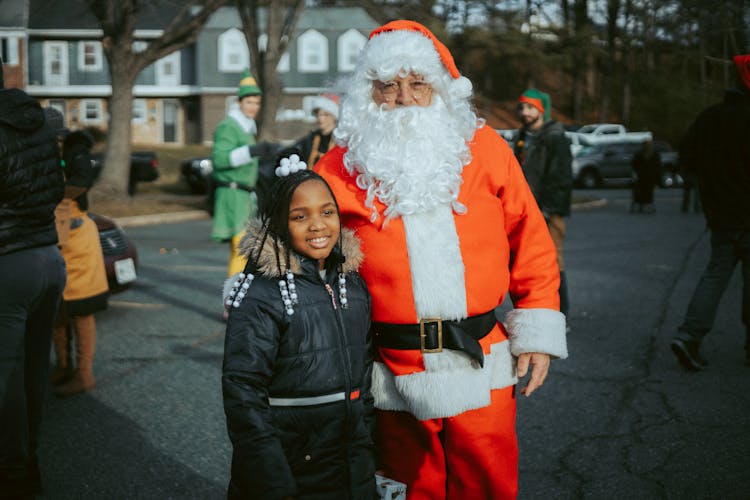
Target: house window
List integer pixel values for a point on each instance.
(91, 111)
(283, 66)
(349, 46)
(312, 52)
(139, 111)
(9, 49)
(168, 70)
(138, 46)
(233, 53)
(55, 63)
(90, 56)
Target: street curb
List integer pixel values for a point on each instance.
(164, 218)
(586, 205)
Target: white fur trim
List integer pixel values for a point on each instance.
(537, 330)
(247, 124)
(391, 51)
(240, 156)
(460, 88)
(326, 105)
(452, 383)
(437, 270)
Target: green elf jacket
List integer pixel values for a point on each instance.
(233, 163)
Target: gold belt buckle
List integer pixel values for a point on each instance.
(423, 336)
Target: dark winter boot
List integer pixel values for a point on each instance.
(83, 380)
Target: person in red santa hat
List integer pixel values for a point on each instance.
(449, 227)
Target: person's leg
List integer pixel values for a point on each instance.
(236, 261)
(481, 450)
(83, 380)
(412, 452)
(743, 251)
(27, 312)
(556, 225)
(701, 311)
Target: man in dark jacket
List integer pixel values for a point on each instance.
(32, 277)
(543, 151)
(716, 150)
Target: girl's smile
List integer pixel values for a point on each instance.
(314, 225)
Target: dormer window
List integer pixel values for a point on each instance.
(312, 52)
(349, 46)
(233, 53)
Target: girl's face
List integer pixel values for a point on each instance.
(313, 221)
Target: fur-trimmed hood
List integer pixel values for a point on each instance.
(350, 247)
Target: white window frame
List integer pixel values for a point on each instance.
(232, 42)
(138, 46)
(165, 79)
(347, 55)
(50, 49)
(140, 111)
(283, 66)
(98, 57)
(312, 43)
(11, 50)
(97, 106)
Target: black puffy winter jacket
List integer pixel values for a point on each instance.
(31, 177)
(282, 447)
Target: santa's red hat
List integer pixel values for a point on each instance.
(405, 45)
(328, 103)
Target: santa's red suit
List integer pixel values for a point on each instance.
(446, 419)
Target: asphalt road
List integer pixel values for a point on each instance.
(618, 419)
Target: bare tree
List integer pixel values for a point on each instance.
(118, 20)
(281, 20)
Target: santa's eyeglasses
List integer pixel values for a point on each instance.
(417, 89)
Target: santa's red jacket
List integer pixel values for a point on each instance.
(442, 264)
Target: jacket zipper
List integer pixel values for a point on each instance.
(333, 297)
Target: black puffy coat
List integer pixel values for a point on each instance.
(547, 166)
(31, 177)
(323, 451)
(716, 150)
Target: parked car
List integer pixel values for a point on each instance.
(605, 164)
(144, 167)
(598, 133)
(120, 254)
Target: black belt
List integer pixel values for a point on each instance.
(431, 335)
(234, 185)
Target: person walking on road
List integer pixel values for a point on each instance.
(32, 278)
(543, 151)
(716, 148)
(646, 167)
(86, 288)
(297, 359)
(235, 171)
(449, 226)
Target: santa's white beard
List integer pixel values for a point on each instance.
(410, 158)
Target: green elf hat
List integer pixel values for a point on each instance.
(248, 85)
(539, 100)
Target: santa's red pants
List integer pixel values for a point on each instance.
(472, 456)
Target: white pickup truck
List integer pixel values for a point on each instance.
(597, 133)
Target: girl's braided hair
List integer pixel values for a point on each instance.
(274, 214)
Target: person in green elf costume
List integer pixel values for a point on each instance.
(235, 171)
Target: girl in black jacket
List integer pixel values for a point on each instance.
(297, 360)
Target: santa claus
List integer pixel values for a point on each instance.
(449, 227)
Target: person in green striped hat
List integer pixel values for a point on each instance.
(235, 170)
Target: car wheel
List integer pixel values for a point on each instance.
(589, 179)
